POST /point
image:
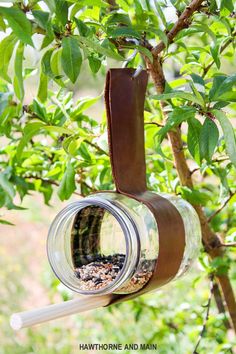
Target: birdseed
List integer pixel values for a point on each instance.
(105, 269)
(101, 272)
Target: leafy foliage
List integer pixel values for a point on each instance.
(51, 140)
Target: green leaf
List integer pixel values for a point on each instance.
(176, 117)
(222, 85)
(84, 153)
(97, 3)
(94, 64)
(6, 49)
(215, 52)
(47, 191)
(123, 32)
(97, 48)
(209, 136)
(61, 11)
(55, 64)
(46, 63)
(202, 27)
(229, 135)
(197, 94)
(123, 4)
(162, 35)
(119, 19)
(138, 9)
(51, 5)
(83, 29)
(227, 4)
(194, 196)
(194, 128)
(160, 13)
(71, 58)
(72, 144)
(145, 51)
(6, 185)
(220, 265)
(2, 24)
(39, 109)
(43, 87)
(18, 66)
(84, 104)
(56, 129)
(41, 17)
(103, 174)
(178, 94)
(197, 79)
(67, 185)
(4, 101)
(49, 37)
(213, 6)
(19, 23)
(29, 131)
(34, 128)
(5, 222)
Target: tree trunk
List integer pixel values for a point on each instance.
(210, 240)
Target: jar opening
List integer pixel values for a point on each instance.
(93, 245)
(98, 248)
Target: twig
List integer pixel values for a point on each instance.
(208, 305)
(88, 186)
(96, 147)
(183, 22)
(49, 181)
(221, 208)
(82, 182)
(221, 160)
(212, 161)
(227, 43)
(153, 123)
(194, 170)
(230, 244)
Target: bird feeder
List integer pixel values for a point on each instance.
(130, 241)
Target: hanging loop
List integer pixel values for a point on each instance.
(137, 71)
(132, 56)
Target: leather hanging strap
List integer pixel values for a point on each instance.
(124, 98)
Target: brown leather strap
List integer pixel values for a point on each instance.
(124, 97)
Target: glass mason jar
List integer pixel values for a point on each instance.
(109, 243)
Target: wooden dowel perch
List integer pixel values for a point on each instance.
(52, 312)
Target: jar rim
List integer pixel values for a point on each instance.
(129, 230)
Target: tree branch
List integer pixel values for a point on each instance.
(194, 170)
(208, 306)
(153, 123)
(230, 244)
(221, 208)
(219, 303)
(211, 241)
(182, 22)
